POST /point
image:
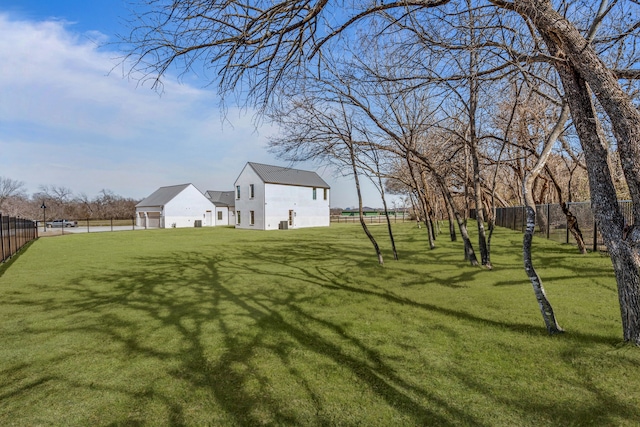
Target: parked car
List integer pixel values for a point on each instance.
(61, 223)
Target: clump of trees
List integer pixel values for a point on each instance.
(463, 103)
(62, 203)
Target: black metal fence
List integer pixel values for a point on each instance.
(551, 222)
(14, 234)
(72, 226)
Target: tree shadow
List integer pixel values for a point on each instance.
(194, 297)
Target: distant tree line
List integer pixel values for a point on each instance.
(62, 203)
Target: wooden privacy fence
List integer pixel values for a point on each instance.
(14, 234)
(551, 222)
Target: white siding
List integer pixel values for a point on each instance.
(280, 199)
(273, 202)
(227, 218)
(246, 204)
(187, 207)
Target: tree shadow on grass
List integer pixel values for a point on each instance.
(194, 298)
(191, 295)
(226, 377)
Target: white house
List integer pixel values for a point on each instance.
(271, 197)
(175, 206)
(224, 202)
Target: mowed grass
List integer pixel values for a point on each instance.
(303, 327)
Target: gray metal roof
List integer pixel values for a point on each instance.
(221, 198)
(288, 176)
(162, 195)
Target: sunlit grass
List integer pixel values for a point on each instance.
(303, 327)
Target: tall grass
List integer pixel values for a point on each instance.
(302, 327)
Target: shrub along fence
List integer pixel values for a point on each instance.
(14, 234)
(551, 222)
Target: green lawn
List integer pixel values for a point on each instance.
(302, 327)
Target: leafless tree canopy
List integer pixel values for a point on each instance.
(8, 188)
(463, 92)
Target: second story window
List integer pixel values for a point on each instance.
(326, 193)
(251, 191)
(237, 192)
(314, 193)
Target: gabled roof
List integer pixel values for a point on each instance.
(221, 198)
(162, 195)
(288, 176)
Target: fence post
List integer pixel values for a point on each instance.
(2, 237)
(20, 232)
(9, 233)
(111, 224)
(548, 220)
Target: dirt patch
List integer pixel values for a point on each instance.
(51, 232)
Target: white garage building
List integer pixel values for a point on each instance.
(175, 206)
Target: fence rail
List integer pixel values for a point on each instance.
(551, 222)
(14, 234)
(86, 225)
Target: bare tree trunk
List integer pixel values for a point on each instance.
(469, 253)
(472, 141)
(491, 223)
(421, 199)
(361, 214)
(580, 68)
(386, 211)
(572, 221)
(527, 189)
(545, 306)
(620, 245)
(450, 215)
(389, 228)
(574, 229)
(428, 223)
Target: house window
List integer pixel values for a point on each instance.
(251, 191)
(237, 191)
(219, 215)
(314, 193)
(238, 217)
(326, 193)
(251, 218)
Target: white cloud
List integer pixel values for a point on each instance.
(67, 120)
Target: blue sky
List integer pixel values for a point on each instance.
(68, 118)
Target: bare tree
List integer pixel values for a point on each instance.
(312, 130)
(545, 306)
(257, 45)
(9, 188)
